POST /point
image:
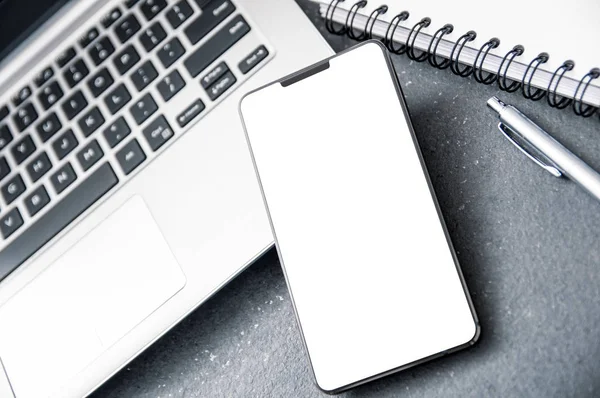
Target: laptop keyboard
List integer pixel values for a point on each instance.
(108, 104)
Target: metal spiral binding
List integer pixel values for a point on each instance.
(388, 40)
(578, 107)
(539, 93)
(510, 56)
(560, 72)
(373, 17)
(433, 57)
(554, 100)
(478, 70)
(350, 21)
(460, 44)
(423, 23)
(329, 18)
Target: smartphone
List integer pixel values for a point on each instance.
(373, 277)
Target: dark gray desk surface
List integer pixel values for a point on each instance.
(527, 242)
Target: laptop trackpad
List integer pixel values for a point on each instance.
(93, 295)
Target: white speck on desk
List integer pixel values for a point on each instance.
(212, 357)
(280, 298)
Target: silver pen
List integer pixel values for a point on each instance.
(543, 149)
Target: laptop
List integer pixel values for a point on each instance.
(127, 192)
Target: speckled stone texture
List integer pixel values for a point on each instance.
(528, 244)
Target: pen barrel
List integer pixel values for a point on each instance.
(568, 163)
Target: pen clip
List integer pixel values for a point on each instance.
(538, 158)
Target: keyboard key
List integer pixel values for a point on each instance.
(170, 85)
(75, 72)
(214, 75)
(10, 222)
(65, 57)
(158, 132)
(126, 59)
(100, 82)
(111, 17)
(171, 52)
(212, 15)
(44, 76)
(221, 85)
(64, 144)
(48, 127)
(190, 113)
(253, 59)
(50, 94)
(116, 132)
(130, 156)
(22, 95)
(143, 108)
(151, 8)
(3, 112)
(5, 136)
(64, 177)
(131, 3)
(91, 121)
(4, 168)
(101, 50)
(58, 217)
(13, 189)
(22, 149)
(74, 104)
(127, 27)
(152, 35)
(117, 98)
(89, 37)
(39, 166)
(89, 155)
(144, 75)
(37, 200)
(179, 13)
(25, 116)
(216, 45)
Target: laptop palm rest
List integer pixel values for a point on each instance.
(122, 271)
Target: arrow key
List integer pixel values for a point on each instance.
(117, 98)
(10, 222)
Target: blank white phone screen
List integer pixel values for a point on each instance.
(372, 275)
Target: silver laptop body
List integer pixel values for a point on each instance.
(127, 194)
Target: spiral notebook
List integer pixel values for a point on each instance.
(545, 50)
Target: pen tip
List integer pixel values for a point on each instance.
(496, 104)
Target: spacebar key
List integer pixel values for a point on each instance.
(57, 218)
